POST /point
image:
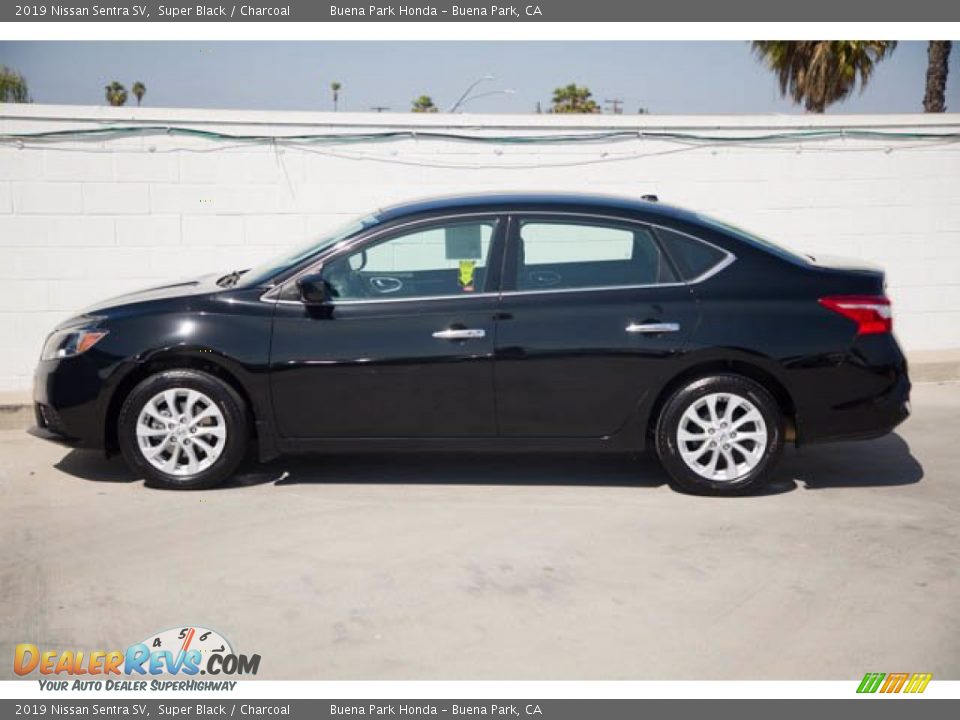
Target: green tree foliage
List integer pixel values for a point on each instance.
(138, 90)
(573, 99)
(818, 73)
(424, 104)
(116, 94)
(13, 86)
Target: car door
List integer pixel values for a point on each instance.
(593, 317)
(404, 348)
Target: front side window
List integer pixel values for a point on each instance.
(561, 255)
(440, 260)
(267, 270)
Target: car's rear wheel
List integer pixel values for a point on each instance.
(183, 429)
(721, 434)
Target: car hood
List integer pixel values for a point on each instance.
(184, 288)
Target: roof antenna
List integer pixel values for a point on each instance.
(650, 198)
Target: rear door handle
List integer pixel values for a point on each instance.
(460, 334)
(653, 327)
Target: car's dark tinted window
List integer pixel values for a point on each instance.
(267, 270)
(559, 255)
(692, 257)
(755, 240)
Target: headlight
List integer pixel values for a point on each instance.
(66, 343)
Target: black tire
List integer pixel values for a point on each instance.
(231, 407)
(668, 423)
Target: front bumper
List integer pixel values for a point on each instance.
(45, 433)
(67, 401)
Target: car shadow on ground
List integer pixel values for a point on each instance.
(886, 461)
(471, 469)
(441, 468)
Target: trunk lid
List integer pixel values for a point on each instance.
(840, 262)
(852, 276)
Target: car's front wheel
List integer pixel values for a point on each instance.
(183, 429)
(720, 435)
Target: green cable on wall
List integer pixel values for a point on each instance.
(346, 138)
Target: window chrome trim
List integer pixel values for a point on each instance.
(719, 267)
(594, 288)
(729, 257)
(346, 246)
(367, 301)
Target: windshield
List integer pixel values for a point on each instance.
(263, 272)
(753, 239)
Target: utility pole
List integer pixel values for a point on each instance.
(616, 105)
(379, 108)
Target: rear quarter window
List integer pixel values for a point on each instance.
(692, 257)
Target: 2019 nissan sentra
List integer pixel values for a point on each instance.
(520, 322)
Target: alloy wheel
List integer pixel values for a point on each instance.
(722, 437)
(181, 432)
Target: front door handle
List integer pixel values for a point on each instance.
(460, 334)
(651, 328)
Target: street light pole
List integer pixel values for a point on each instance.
(459, 102)
(487, 94)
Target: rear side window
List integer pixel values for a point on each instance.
(559, 255)
(692, 257)
(755, 240)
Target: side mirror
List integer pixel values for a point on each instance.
(313, 289)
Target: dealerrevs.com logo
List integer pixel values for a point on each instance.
(186, 651)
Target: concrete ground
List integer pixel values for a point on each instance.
(503, 567)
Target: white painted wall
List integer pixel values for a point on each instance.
(83, 220)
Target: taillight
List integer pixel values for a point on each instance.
(871, 313)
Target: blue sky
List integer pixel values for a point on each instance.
(665, 77)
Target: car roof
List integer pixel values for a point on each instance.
(498, 201)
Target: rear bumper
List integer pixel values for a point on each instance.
(870, 418)
(867, 395)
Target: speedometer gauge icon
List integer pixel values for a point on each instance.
(183, 639)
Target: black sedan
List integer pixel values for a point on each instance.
(520, 322)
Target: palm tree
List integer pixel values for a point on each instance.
(13, 86)
(335, 88)
(116, 94)
(573, 99)
(938, 57)
(423, 104)
(138, 90)
(818, 73)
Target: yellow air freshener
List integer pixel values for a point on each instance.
(467, 268)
